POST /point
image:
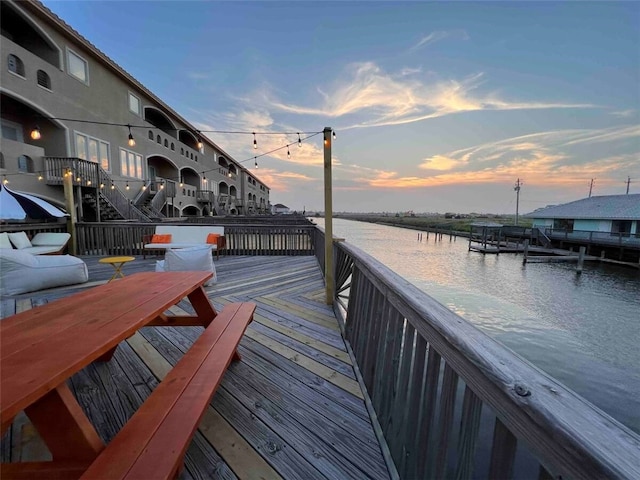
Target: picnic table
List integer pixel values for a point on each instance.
(43, 347)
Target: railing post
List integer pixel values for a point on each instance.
(328, 218)
(67, 181)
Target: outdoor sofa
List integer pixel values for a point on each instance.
(167, 237)
(43, 243)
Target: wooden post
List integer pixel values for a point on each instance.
(328, 218)
(67, 182)
(526, 250)
(580, 260)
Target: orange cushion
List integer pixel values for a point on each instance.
(161, 238)
(213, 238)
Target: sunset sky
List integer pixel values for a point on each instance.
(437, 106)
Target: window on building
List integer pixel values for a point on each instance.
(173, 147)
(15, 64)
(182, 151)
(44, 80)
(150, 135)
(159, 140)
(166, 143)
(565, 224)
(77, 66)
(12, 131)
(130, 164)
(2, 167)
(93, 150)
(25, 164)
(622, 227)
(134, 104)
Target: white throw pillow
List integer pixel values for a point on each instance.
(20, 240)
(191, 259)
(4, 241)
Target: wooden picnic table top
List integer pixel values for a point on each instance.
(41, 348)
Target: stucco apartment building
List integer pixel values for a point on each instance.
(66, 107)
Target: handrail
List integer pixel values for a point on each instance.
(415, 357)
(119, 200)
(159, 199)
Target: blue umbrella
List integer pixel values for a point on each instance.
(19, 206)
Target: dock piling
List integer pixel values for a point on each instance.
(580, 260)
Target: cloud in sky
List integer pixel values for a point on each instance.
(543, 159)
(366, 95)
(438, 36)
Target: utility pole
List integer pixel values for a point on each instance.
(590, 187)
(628, 182)
(517, 189)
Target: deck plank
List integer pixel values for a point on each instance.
(277, 413)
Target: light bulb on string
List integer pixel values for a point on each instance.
(255, 143)
(5, 180)
(113, 187)
(132, 142)
(127, 186)
(162, 185)
(299, 142)
(199, 143)
(40, 177)
(288, 152)
(101, 185)
(78, 179)
(181, 182)
(144, 187)
(255, 160)
(35, 133)
(89, 182)
(333, 134)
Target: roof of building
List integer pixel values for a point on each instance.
(606, 207)
(279, 205)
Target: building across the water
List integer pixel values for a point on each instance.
(67, 107)
(605, 222)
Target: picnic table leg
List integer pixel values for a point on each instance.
(64, 427)
(203, 307)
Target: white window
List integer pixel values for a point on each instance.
(12, 131)
(134, 103)
(77, 66)
(130, 164)
(93, 150)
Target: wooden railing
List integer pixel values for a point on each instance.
(126, 238)
(603, 238)
(453, 403)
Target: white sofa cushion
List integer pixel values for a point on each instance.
(190, 259)
(50, 239)
(20, 240)
(22, 272)
(4, 241)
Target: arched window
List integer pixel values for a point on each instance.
(182, 151)
(15, 64)
(159, 140)
(43, 79)
(166, 143)
(25, 164)
(191, 155)
(173, 147)
(150, 135)
(196, 158)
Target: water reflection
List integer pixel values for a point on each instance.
(581, 329)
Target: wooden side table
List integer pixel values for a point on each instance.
(116, 263)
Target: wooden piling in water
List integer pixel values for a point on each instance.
(525, 251)
(580, 260)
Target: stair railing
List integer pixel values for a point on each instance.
(118, 200)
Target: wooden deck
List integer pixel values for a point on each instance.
(291, 409)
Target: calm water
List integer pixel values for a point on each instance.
(583, 330)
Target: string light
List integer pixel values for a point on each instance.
(132, 142)
(40, 177)
(334, 134)
(127, 186)
(101, 185)
(113, 187)
(5, 180)
(255, 143)
(35, 133)
(162, 185)
(288, 152)
(78, 179)
(89, 181)
(144, 186)
(255, 159)
(299, 141)
(200, 145)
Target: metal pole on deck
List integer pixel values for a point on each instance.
(328, 218)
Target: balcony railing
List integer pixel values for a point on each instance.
(602, 238)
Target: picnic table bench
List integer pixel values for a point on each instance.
(43, 347)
